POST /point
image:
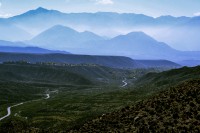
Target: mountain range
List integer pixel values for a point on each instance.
(136, 45)
(33, 18)
(85, 33)
(179, 32)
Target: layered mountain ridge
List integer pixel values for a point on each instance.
(166, 29)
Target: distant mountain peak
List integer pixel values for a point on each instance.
(41, 9)
(137, 35)
(36, 11)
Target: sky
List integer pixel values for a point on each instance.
(152, 8)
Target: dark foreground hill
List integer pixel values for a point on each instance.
(109, 61)
(175, 110)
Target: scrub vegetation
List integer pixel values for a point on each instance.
(96, 105)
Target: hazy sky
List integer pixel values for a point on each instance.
(148, 7)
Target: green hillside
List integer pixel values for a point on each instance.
(121, 62)
(158, 81)
(76, 74)
(174, 110)
(12, 93)
(109, 61)
(39, 74)
(75, 105)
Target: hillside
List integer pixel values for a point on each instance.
(109, 61)
(69, 74)
(174, 110)
(39, 74)
(86, 104)
(111, 108)
(158, 63)
(158, 81)
(189, 63)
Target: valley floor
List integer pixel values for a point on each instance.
(80, 108)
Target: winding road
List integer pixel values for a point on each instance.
(124, 83)
(48, 96)
(9, 108)
(9, 111)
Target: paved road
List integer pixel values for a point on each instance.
(48, 96)
(9, 108)
(9, 111)
(124, 83)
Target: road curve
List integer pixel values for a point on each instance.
(124, 83)
(9, 108)
(9, 111)
(48, 96)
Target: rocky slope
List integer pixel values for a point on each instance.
(174, 110)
